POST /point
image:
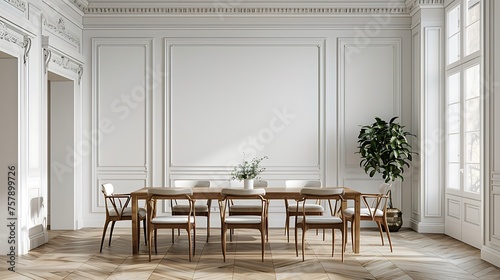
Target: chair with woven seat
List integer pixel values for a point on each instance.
(117, 209)
(240, 208)
(202, 207)
(155, 221)
(374, 209)
(230, 222)
(311, 208)
(305, 221)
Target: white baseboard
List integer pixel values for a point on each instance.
(422, 227)
(490, 255)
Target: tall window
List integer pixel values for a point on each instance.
(463, 98)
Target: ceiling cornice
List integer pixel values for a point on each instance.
(251, 7)
(246, 11)
(241, 7)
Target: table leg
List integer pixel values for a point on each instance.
(357, 223)
(135, 226)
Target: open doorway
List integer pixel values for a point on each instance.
(61, 153)
(9, 150)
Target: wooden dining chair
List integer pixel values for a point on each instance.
(306, 221)
(374, 209)
(239, 208)
(311, 208)
(230, 222)
(155, 221)
(118, 209)
(202, 207)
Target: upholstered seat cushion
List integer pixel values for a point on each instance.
(185, 208)
(127, 212)
(243, 219)
(309, 208)
(320, 220)
(171, 220)
(363, 212)
(245, 208)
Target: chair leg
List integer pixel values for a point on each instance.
(144, 222)
(104, 233)
(173, 232)
(150, 242)
(380, 230)
(352, 234)
(343, 244)
(194, 239)
(156, 241)
(208, 226)
(189, 242)
(303, 242)
(287, 223)
(333, 240)
(296, 247)
(388, 234)
(223, 241)
(267, 229)
(111, 231)
(262, 241)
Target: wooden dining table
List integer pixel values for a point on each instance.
(272, 193)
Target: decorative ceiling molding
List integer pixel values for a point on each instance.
(413, 4)
(80, 4)
(18, 4)
(9, 36)
(258, 11)
(59, 29)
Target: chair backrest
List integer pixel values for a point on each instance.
(230, 194)
(191, 183)
(243, 192)
(327, 194)
(383, 188)
(107, 189)
(260, 184)
(303, 184)
(379, 202)
(115, 204)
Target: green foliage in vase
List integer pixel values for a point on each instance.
(248, 169)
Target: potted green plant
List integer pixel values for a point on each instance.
(384, 149)
(248, 171)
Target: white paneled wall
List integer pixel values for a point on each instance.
(208, 96)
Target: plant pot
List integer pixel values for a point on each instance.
(248, 183)
(394, 219)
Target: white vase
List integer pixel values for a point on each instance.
(248, 183)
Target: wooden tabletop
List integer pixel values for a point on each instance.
(271, 193)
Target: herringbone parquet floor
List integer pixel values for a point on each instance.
(75, 255)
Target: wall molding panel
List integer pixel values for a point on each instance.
(371, 72)
(122, 111)
(245, 65)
